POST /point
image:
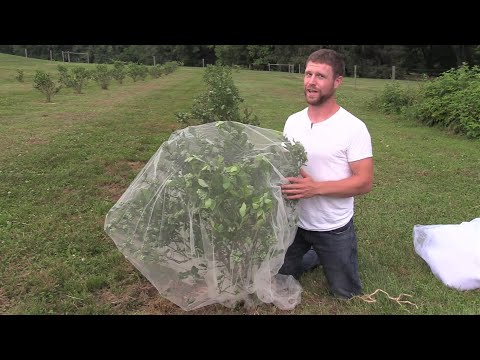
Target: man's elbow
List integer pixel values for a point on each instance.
(365, 187)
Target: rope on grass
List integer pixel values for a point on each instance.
(370, 299)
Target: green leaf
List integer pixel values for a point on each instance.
(208, 203)
(226, 184)
(202, 183)
(243, 210)
(232, 169)
(260, 222)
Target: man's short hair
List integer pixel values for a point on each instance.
(329, 57)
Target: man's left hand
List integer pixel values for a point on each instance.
(300, 187)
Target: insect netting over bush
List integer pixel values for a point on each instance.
(205, 221)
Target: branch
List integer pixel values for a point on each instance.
(369, 298)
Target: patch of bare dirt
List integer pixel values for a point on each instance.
(67, 190)
(472, 173)
(123, 168)
(114, 191)
(37, 141)
(75, 218)
(142, 296)
(5, 303)
(403, 271)
(136, 165)
(74, 117)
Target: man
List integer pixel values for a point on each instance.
(339, 167)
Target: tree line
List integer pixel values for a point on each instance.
(372, 61)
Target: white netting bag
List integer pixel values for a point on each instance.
(452, 251)
(205, 221)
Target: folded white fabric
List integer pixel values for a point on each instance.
(452, 252)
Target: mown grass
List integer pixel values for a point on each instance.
(64, 165)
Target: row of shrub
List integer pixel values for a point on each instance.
(76, 77)
(451, 101)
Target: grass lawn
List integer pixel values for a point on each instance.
(64, 164)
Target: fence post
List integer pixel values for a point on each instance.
(355, 75)
(26, 54)
(153, 60)
(393, 72)
(203, 62)
(51, 55)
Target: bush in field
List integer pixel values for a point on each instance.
(143, 71)
(137, 71)
(452, 101)
(203, 214)
(118, 72)
(170, 67)
(43, 82)
(394, 98)
(64, 77)
(75, 78)
(20, 75)
(102, 75)
(80, 77)
(220, 102)
(156, 71)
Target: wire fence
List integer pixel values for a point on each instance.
(356, 70)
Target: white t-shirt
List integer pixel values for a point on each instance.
(330, 145)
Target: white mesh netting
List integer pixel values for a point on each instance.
(205, 221)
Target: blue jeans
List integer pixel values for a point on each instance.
(337, 252)
(310, 260)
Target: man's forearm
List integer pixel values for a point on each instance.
(352, 186)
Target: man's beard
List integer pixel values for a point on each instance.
(320, 100)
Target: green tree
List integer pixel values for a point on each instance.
(44, 83)
(220, 101)
(102, 75)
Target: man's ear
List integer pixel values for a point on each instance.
(338, 81)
